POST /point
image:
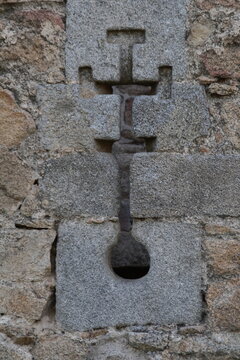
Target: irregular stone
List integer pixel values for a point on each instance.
(224, 65)
(9, 351)
(69, 122)
(96, 297)
(59, 347)
(149, 341)
(216, 347)
(18, 330)
(174, 122)
(32, 43)
(176, 185)
(223, 300)
(15, 124)
(116, 350)
(25, 254)
(15, 181)
(231, 114)
(224, 256)
(26, 300)
(164, 42)
(223, 89)
(215, 229)
(81, 184)
(206, 80)
(200, 32)
(209, 4)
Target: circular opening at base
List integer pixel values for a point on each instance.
(129, 259)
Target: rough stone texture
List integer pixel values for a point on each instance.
(26, 300)
(208, 4)
(154, 341)
(224, 256)
(175, 122)
(16, 180)
(25, 271)
(230, 115)
(31, 48)
(32, 38)
(59, 348)
(167, 185)
(85, 184)
(9, 351)
(69, 122)
(90, 295)
(223, 299)
(116, 349)
(25, 254)
(15, 124)
(164, 44)
(218, 346)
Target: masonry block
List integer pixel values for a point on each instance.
(175, 122)
(182, 185)
(164, 24)
(90, 295)
(81, 184)
(69, 122)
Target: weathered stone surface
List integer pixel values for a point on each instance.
(223, 300)
(16, 180)
(59, 347)
(32, 43)
(25, 254)
(201, 29)
(175, 122)
(231, 114)
(15, 124)
(81, 184)
(9, 351)
(167, 185)
(90, 295)
(208, 4)
(164, 40)
(153, 341)
(223, 89)
(116, 349)
(69, 122)
(25, 270)
(17, 329)
(25, 300)
(218, 346)
(224, 65)
(224, 256)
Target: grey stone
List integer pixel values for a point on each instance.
(81, 184)
(164, 23)
(175, 122)
(116, 349)
(175, 185)
(69, 122)
(10, 351)
(90, 295)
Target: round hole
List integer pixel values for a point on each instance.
(129, 258)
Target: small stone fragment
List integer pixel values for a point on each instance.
(223, 89)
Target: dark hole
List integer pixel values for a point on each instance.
(129, 258)
(131, 272)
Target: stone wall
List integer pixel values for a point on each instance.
(44, 202)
